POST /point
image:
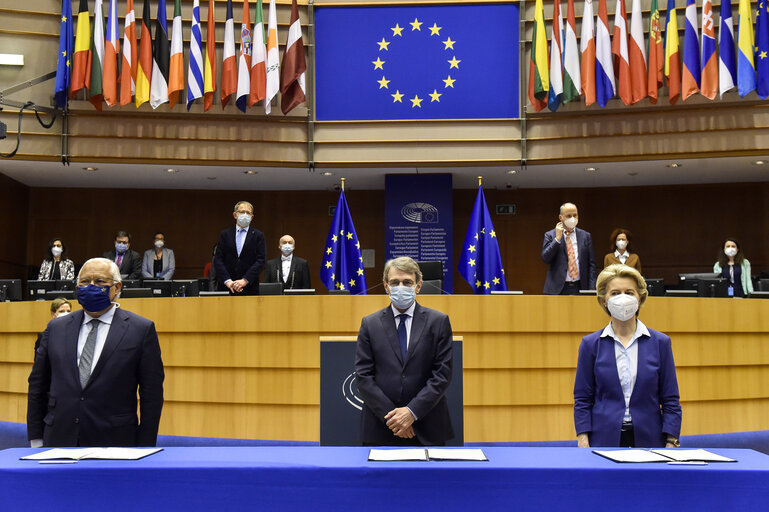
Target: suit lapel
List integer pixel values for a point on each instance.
(115, 335)
(291, 271)
(418, 323)
(388, 327)
(71, 333)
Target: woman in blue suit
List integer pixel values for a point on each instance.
(626, 391)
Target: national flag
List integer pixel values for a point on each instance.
(229, 65)
(480, 262)
(656, 73)
(762, 51)
(209, 66)
(690, 79)
(572, 81)
(244, 60)
(144, 64)
(95, 91)
(128, 63)
(637, 54)
(64, 60)
(746, 69)
(176, 62)
(195, 66)
(709, 77)
(620, 51)
(160, 56)
(555, 94)
(539, 68)
(672, 57)
(342, 267)
(81, 68)
(727, 63)
(605, 88)
(111, 52)
(258, 58)
(292, 88)
(587, 49)
(273, 59)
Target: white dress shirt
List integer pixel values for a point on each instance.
(627, 357)
(286, 262)
(622, 257)
(409, 318)
(101, 334)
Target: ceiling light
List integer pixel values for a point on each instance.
(632, 174)
(760, 162)
(250, 171)
(171, 171)
(90, 169)
(675, 165)
(327, 173)
(591, 169)
(11, 59)
(512, 171)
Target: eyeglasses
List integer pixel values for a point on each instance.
(98, 281)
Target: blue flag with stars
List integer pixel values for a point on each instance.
(480, 262)
(66, 47)
(417, 62)
(342, 267)
(761, 57)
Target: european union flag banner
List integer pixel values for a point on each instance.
(66, 51)
(417, 62)
(342, 267)
(480, 262)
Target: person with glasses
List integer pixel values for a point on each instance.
(403, 366)
(240, 254)
(56, 265)
(89, 367)
(128, 261)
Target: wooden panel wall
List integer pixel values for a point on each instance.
(256, 376)
(676, 228)
(14, 206)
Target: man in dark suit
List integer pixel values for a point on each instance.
(403, 366)
(88, 367)
(569, 252)
(240, 254)
(129, 262)
(288, 269)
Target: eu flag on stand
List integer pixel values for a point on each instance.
(342, 267)
(480, 262)
(66, 47)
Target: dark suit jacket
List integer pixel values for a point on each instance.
(554, 254)
(599, 404)
(298, 274)
(131, 266)
(386, 382)
(104, 413)
(247, 266)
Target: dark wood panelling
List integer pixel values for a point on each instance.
(14, 202)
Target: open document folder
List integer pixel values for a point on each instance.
(662, 455)
(405, 454)
(92, 453)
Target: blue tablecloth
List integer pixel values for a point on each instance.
(324, 478)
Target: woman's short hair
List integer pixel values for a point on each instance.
(57, 303)
(404, 264)
(619, 270)
(617, 232)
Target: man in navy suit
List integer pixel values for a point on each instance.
(240, 254)
(128, 260)
(569, 252)
(403, 366)
(88, 368)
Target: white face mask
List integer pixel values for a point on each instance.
(570, 223)
(56, 251)
(62, 313)
(622, 307)
(403, 296)
(287, 249)
(244, 220)
(159, 244)
(731, 252)
(621, 244)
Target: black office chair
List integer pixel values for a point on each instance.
(431, 287)
(763, 285)
(270, 288)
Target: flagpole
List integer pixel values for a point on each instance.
(343, 184)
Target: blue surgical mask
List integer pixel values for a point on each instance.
(287, 249)
(402, 296)
(94, 298)
(120, 247)
(244, 220)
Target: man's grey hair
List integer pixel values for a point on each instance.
(113, 268)
(404, 264)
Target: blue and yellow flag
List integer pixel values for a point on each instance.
(746, 69)
(342, 267)
(480, 262)
(66, 47)
(417, 62)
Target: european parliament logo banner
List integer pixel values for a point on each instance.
(417, 62)
(342, 267)
(481, 262)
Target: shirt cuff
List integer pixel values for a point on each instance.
(36, 443)
(412, 413)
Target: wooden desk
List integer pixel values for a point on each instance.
(248, 367)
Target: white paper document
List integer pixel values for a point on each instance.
(632, 455)
(93, 453)
(698, 455)
(456, 454)
(399, 454)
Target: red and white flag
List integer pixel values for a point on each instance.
(229, 68)
(619, 49)
(637, 54)
(294, 65)
(244, 60)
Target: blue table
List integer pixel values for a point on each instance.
(325, 478)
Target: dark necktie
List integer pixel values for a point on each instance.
(402, 336)
(86, 356)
